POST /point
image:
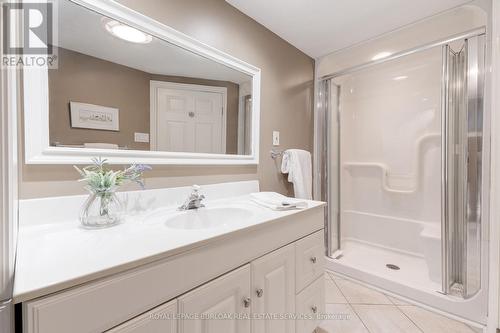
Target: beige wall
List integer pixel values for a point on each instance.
(286, 97)
(86, 79)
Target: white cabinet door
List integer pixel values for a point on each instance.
(161, 319)
(224, 297)
(273, 288)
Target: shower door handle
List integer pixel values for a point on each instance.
(444, 169)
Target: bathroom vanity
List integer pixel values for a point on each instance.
(156, 272)
(160, 270)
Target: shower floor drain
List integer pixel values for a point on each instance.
(393, 267)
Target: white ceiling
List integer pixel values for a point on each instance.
(318, 27)
(82, 30)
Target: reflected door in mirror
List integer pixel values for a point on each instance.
(189, 120)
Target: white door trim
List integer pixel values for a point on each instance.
(153, 106)
(9, 166)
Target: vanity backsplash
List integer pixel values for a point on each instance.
(64, 209)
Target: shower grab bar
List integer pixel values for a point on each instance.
(384, 169)
(386, 174)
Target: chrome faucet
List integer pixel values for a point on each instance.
(194, 200)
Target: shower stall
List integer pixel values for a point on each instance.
(404, 158)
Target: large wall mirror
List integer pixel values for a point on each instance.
(129, 88)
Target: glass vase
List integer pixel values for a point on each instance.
(102, 209)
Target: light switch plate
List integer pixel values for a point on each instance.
(141, 137)
(276, 138)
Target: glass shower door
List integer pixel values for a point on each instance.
(402, 145)
(329, 173)
(384, 129)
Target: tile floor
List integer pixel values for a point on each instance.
(358, 309)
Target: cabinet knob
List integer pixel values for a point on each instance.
(260, 292)
(313, 260)
(314, 309)
(247, 301)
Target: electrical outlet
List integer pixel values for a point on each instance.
(141, 137)
(276, 138)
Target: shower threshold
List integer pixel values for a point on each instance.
(368, 264)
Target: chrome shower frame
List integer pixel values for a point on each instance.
(323, 137)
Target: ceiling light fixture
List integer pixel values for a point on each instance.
(126, 32)
(399, 78)
(381, 55)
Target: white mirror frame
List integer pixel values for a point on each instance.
(36, 103)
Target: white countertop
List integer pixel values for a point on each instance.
(52, 257)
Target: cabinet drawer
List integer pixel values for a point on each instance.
(310, 303)
(159, 320)
(310, 256)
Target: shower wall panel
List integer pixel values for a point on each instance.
(390, 143)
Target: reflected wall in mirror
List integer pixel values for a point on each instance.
(119, 88)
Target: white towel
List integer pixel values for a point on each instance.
(277, 201)
(100, 145)
(297, 164)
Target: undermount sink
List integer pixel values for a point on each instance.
(206, 218)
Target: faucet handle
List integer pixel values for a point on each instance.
(196, 193)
